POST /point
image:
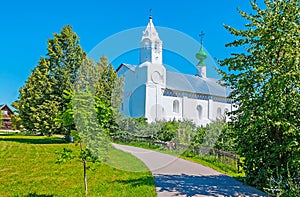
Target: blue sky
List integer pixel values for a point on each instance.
(25, 27)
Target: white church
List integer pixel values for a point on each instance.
(155, 93)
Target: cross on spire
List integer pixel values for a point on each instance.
(150, 16)
(201, 35)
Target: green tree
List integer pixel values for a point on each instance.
(79, 115)
(108, 97)
(213, 132)
(36, 105)
(105, 87)
(227, 139)
(41, 98)
(186, 132)
(16, 122)
(168, 130)
(65, 56)
(266, 81)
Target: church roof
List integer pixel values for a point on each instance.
(195, 84)
(189, 83)
(128, 66)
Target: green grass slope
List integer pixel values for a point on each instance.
(27, 168)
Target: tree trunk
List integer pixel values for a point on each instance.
(85, 178)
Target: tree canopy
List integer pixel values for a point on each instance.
(265, 79)
(41, 98)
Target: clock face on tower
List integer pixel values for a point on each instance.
(157, 77)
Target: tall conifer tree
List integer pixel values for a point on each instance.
(41, 98)
(36, 105)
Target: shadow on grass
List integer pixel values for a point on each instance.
(37, 195)
(148, 180)
(34, 140)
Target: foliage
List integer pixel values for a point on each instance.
(103, 84)
(107, 83)
(36, 106)
(108, 97)
(227, 139)
(185, 132)
(89, 113)
(168, 131)
(16, 119)
(213, 132)
(284, 186)
(266, 82)
(41, 98)
(216, 135)
(136, 129)
(140, 121)
(28, 168)
(86, 132)
(16, 122)
(65, 56)
(199, 136)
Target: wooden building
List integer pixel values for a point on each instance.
(6, 117)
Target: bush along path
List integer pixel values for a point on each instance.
(178, 177)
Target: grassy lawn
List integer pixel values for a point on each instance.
(27, 168)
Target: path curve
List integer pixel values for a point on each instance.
(178, 177)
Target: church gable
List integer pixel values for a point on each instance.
(123, 68)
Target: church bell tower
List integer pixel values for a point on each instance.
(150, 45)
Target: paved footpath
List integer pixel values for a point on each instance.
(177, 177)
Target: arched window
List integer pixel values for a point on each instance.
(219, 112)
(176, 106)
(226, 111)
(199, 110)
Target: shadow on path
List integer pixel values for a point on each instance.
(214, 185)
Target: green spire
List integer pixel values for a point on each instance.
(201, 55)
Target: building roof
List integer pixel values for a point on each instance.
(128, 66)
(189, 83)
(2, 106)
(196, 84)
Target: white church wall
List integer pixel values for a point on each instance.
(196, 110)
(189, 109)
(171, 114)
(219, 108)
(155, 110)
